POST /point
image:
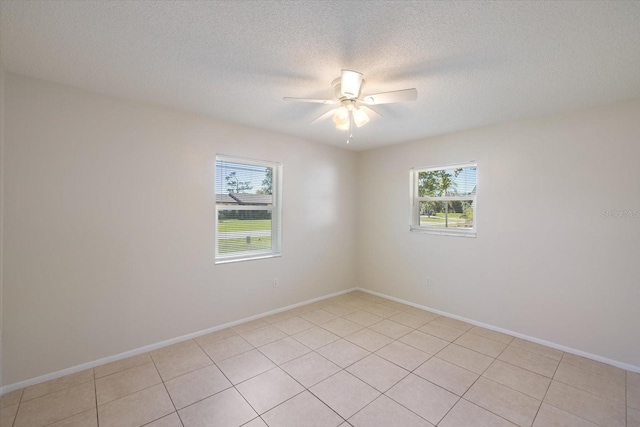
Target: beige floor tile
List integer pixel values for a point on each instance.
(403, 355)
(136, 409)
(269, 389)
(378, 372)
(390, 328)
(339, 309)
(171, 420)
(530, 361)
(501, 400)
(359, 303)
(256, 422)
(374, 298)
(244, 366)
(293, 325)
(369, 340)
(604, 386)
(56, 385)
(318, 316)
(261, 336)
(174, 364)
(225, 409)
(447, 375)
(11, 398)
(491, 335)
(422, 397)
(466, 414)
(466, 358)
(56, 406)
(121, 365)
(481, 345)
(174, 349)
(397, 305)
(410, 320)
(424, 342)
(594, 366)
(315, 337)
(8, 415)
(540, 349)
(424, 314)
(363, 318)
(303, 410)
(279, 317)
(310, 369)
(126, 382)
(384, 412)
(343, 353)
(283, 350)
(382, 310)
(84, 419)
(527, 382)
(344, 393)
(441, 331)
(227, 347)
(341, 327)
(633, 397)
(550, 416)
(589, 406)
(248, 326)
(454, 323)
(196, 385)
(215, 336)
(633, 378)
(633, 417)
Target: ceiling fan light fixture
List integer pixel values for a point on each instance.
(350, 83)
(360, 117)
(341, 118)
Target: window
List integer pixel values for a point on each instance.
(443, 199)
(248, 209)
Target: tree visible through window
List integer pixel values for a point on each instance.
(444, 199)
(248, 209)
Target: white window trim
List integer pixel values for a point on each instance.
(414, 203)
(276, 213)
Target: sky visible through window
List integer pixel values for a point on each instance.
(251, 175)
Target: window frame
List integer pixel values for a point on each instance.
(414, 221)
(275, 209)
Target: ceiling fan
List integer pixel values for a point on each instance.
(354, 107)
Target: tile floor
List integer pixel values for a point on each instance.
(353, 360)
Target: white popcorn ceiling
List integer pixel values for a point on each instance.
(473, 63)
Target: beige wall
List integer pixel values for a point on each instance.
(545, 262)
(109, 226)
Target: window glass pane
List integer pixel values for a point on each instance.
(458, 214)
(244, 184)
(243, 230)
(447, 182)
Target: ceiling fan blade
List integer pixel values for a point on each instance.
(311, 100)
(325, 115)
(350, 83)
(390, 97)
(373, 112)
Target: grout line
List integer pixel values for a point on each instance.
(95, 395)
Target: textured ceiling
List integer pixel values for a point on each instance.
(473, 63)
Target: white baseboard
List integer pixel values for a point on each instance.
(151, 347)
(566, 349)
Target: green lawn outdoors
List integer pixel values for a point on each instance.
(455, 220)
(226, 246)
(244, 224)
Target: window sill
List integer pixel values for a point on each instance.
(457, 233)
(246, 258)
